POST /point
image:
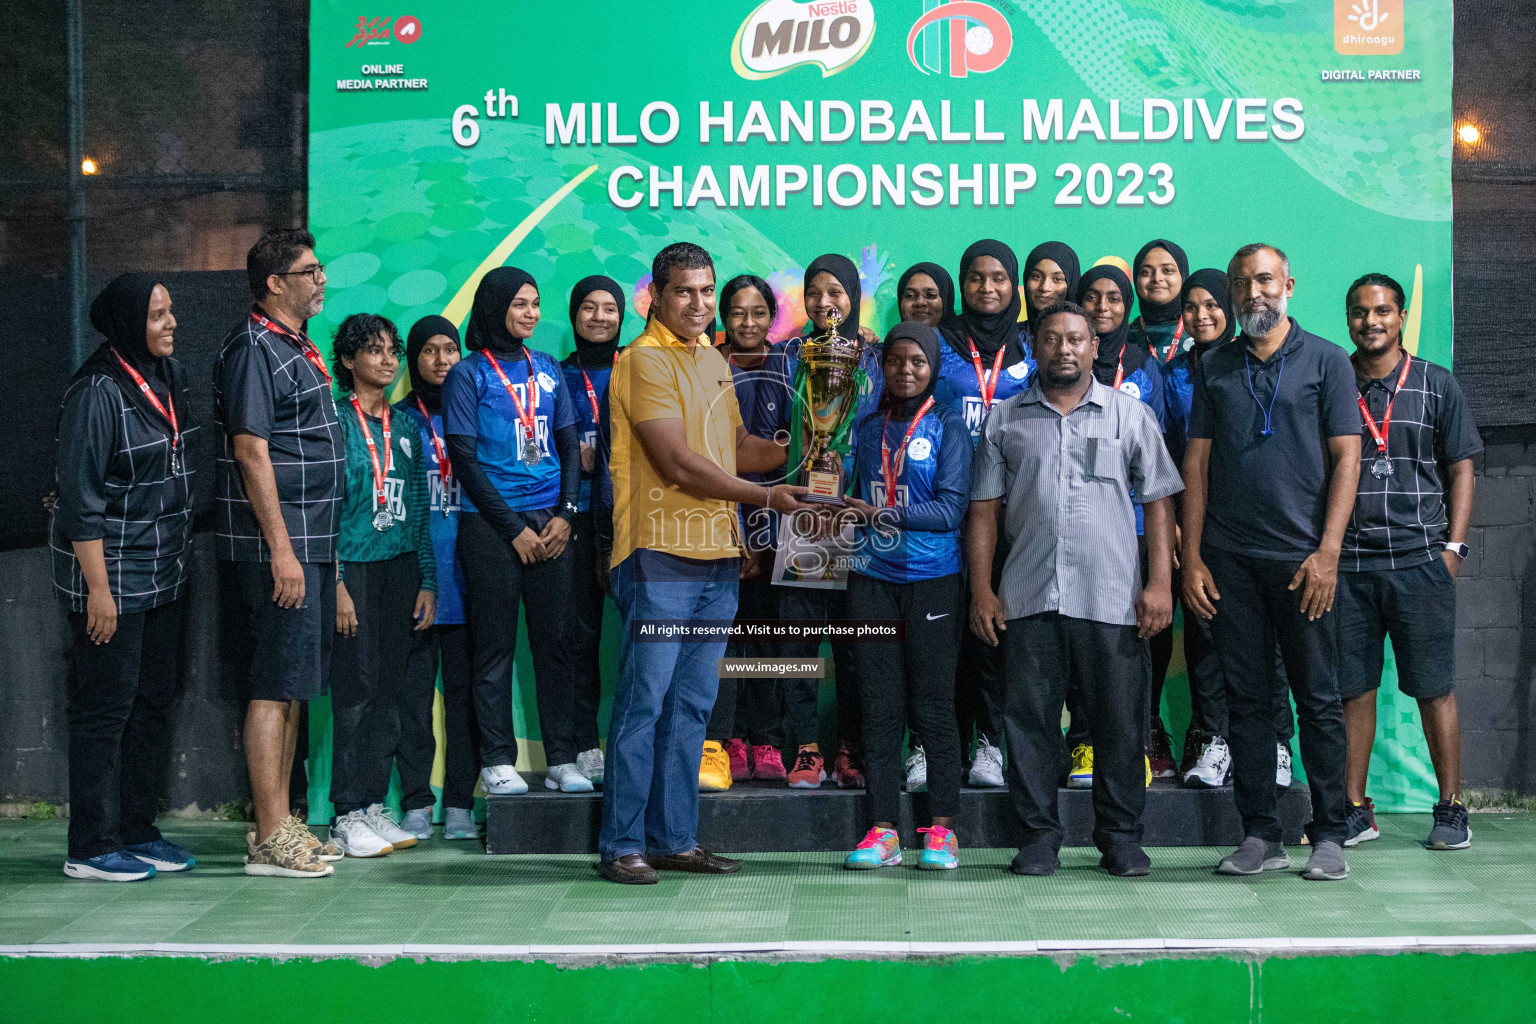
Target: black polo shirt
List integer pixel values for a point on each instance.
(1401, 521)
(265, 385)
(1268, 496)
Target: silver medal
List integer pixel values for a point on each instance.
(531, 454)
(1381, 468)
(382, 520)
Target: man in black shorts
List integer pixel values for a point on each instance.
(1402, 550)
(281, 477)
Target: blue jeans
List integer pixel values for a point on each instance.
(661, 709)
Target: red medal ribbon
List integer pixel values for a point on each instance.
(1380, 436)
(305, 345)
(524, 416)
(444, 470)
(1120, 369)
(591, 393)
(380, 496)
(169, 412)
(981, 378)
(891, 470)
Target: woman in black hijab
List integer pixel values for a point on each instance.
(1159, 271)
(1051, 273)
(119, 536)
(910, 489)
(926, 292)
(512, 441)
(597, 317)
(990, 300)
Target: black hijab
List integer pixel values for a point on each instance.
(949, 321)
(926, 338)
(1112, 346)
(1064, 257)
(1160, 312)
(842, 268)
(488, 316)
(596, 355)
(423, 331)
(121, 314)
(991, 331)
(1214, 281)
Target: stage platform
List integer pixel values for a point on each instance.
(443, 932)
(768, 817)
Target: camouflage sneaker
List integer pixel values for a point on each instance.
(323, 849)
(284, 854)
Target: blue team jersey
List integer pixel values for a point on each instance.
(588, 413)
(869, 361)
(959, 389)
(476, 404)
(932, 489)
(1179, 397)
(444, 528)
(1146, 383)
(762, 394)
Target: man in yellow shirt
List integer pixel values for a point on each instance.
(678, 442)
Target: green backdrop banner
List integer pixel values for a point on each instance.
(578, 139)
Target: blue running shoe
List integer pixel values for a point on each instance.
(164, 855)
(116, 866)
(880, 848)
(941, 850)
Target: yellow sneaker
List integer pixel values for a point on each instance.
(714, 768)
(1081, 774)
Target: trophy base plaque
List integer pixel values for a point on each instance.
(824, 489)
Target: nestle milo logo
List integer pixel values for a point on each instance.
(783, 34)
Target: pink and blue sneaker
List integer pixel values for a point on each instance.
(880, 848)
(941, 850)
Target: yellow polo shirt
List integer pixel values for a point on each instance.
(660, 377)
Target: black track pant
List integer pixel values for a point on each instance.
(119, 728)
(449, 646)
(497, 582)
(920, 673)
(369, 682)
(751, 709)
(586, 626)
(816, 606)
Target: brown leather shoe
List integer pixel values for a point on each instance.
(698, 860)
(630, 869)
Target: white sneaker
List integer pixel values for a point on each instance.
(567, 778)
(986, 764)
(387, 828)
(1282, 766)
(1213, 768)
(502, 780)
(590, 763)
(356, 839)
(917, 771)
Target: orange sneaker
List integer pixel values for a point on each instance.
(810, 771)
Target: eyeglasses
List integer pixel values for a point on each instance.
(314, 273)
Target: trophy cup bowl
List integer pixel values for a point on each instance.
(829, 398)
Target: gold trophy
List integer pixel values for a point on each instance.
(829, 398)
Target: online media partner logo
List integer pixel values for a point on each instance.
(377, 31)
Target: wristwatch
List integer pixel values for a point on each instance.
(1459, 550)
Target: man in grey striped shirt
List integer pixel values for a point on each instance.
(1066, 457)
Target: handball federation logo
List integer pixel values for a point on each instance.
(980, 39)
(784, 34)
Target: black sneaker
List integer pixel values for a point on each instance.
(1360, 824)
(1451, 831)
(1160, 752)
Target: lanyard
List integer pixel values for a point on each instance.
(1173, 344)
(1269, 423)
(981, 378)
(1380, 435)
(524, 416)
(380, 497)
(169, 412)
(444, 470)
(889, 470)
(305, 345)
(1120, 368)
(591, 392)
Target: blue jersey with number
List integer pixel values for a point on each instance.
(932, 489)
(444, 528)
(959, 389)
(477, 404)
(588, 413)
(762, 395)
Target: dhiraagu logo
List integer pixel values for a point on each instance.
(1368, 27)
(783, 34)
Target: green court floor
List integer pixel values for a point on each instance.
(444, 894)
